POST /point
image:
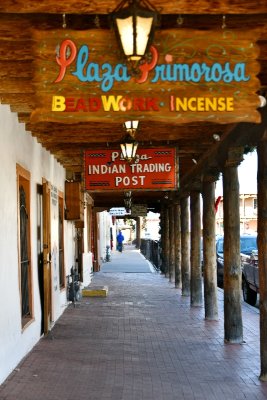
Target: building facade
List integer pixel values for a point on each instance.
(38, 245)
(248, 214)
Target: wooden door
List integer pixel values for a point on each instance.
(40, 249)
(46, 257)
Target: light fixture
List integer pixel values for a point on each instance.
(129, 145)
(128, 194)
(128, 203)
(134, 22)
(262, 101)
(216, 137)
(131, 127)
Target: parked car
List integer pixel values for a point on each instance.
(248, 243)
(250, 277)
(219, 256)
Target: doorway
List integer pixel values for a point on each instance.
(44, 254)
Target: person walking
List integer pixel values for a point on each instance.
(120, 239)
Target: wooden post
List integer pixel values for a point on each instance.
(196, 273)
(233, 328)
(177, 245)
(209, 251)
(262, 252)
(172, 245)
(167, 242)
(185, 247)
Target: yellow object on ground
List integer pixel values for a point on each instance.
(95, 291)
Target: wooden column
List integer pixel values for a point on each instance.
(166, 242)
(209, 250)
(233, 328)
(177, 245)
(172, 245)
(196, 273)
(185, 247)
(262, 252)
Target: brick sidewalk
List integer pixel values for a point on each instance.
(142, 342)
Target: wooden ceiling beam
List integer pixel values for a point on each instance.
(19, 102)
(106, 6)
(241, 135)
(20, 85)
(147, 130)
(18, 27)
(23, 117)
(73, 149)
(11, 69)
(16, 50)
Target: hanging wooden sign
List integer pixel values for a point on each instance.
(190, 76)
(139, 210)
(153, 169)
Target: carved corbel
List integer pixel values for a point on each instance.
(234, 156)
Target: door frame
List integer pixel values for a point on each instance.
(47, 277)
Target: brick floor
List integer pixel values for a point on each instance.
(143, 341)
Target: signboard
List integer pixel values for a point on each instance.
(191, 76)
(139, 210)
(118, 211)
(153, 169)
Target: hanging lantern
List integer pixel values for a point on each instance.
(131, 127)
(128, 148)
(129, 145)
(134, 23)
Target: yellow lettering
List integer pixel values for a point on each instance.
(190, 105)
(211, 104)
(200, 104)
(230, 104)
(204, 104)
(111, 102)
(221, 104)
(58, 103)
(181, 103)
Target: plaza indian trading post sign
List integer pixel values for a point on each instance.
(190, 76)
(152, 169)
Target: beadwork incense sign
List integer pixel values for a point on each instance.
(189, 76)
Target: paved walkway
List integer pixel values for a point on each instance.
(129, 261)
(143, 341)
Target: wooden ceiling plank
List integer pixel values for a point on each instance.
(23, 117)
(17, 85)
(22, 101)
(18, 27)
(106, 6)
(16, 50)
(16, 69)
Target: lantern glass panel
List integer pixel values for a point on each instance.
(125, 29)
(143, 27)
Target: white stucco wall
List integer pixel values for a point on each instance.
(19, 147)
(87, 255)
(104, 224)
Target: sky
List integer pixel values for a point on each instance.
(247, 174)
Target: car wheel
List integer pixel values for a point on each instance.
(250, 296)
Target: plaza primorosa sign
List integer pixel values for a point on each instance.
(189, 76)
(153, 169)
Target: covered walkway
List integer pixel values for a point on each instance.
(143, 341)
